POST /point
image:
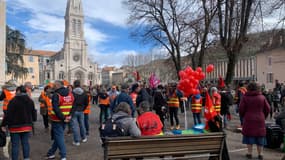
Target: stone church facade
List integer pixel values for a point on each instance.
(2, 40)
(72, 63)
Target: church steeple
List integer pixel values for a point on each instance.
(74, 20)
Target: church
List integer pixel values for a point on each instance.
(72, 63)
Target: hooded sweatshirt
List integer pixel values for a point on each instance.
(55, 101)
(80, 100)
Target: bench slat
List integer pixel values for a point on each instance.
(157, 144)
(215, 153)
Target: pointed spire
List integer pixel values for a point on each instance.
(74, 7)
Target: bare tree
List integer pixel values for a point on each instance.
(160, 22)
(233, 18)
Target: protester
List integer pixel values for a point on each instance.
(113, 93)
(216, 99)
(226, 102)
(160, 104)
(8, 93)
(134, 93)
(62, 102)
(45, 103)
(276, 99)
(128, 123)
(254, 109)
(239, 94)
(87, 111)
(19, 118)
(148, 122)
(79, 105)
(196, 107)
(104, 104)
(143, 95)
(268, 95)
(173, 104)
(123, 97)
(94, 94)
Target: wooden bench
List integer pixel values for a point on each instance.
(172, 146)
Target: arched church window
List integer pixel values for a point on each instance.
(73, 23)
(78, 29)
(61, 75)
(90, 76)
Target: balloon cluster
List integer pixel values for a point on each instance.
(189, 79)
(153, 81)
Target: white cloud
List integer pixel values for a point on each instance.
(45, 22)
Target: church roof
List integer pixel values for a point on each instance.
(41, 53)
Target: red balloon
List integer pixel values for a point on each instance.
(196, 91)
(201, 76)
(210, 68)
(182, 74)
(188, 70)
(199, 69)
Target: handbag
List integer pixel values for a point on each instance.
(2, 138)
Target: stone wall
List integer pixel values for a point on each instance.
(2, 40)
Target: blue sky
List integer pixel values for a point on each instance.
(106, 31)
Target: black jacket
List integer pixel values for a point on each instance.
(80, 100)
(21, 112)
(159, 100)
(55, 101)
(226, 101)
(143, 96)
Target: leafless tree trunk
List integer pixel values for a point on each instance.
(233, 17)
(160, 22)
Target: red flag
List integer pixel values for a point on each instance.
(210, 111)
(221, 83)
(138, 76)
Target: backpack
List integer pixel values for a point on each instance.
(111, 128)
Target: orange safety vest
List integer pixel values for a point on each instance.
(243, 90)
(134, 97)
(217, 102)
(196, 105)
(104, 101)
(46, 99)
(8, 96)
(65, 105)
(88, 108)
(173, 101)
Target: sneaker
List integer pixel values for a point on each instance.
(84, 140)
(177, 126)
(50, 157)
(63, 159)
(172, 127)
(260, 157)
(248, 156)
(76, 143)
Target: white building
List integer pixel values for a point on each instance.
(2, 40)
(71, 63)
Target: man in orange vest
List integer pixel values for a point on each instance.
(8, 93)
(87, 111)
(196, 107)
(238, 96)
(216, 99)
(45, 104)
(134, 93)
(173, 105)
(62, 101)
(104, 104)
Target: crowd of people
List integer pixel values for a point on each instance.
(137, 109)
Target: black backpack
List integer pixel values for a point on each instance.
(111, 128)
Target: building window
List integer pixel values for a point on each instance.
(31, 59)
(48, 75)
(269, 77)
(270, 61)
(73, 27)
(61, 75)
(31, 70)
(33, 77)
(47, 61)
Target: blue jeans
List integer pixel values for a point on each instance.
(197, 119)
(86, 123)
(15, 139)
(57, 131)
(78, 125)
(104, 113)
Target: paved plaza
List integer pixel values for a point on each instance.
(92, 150)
